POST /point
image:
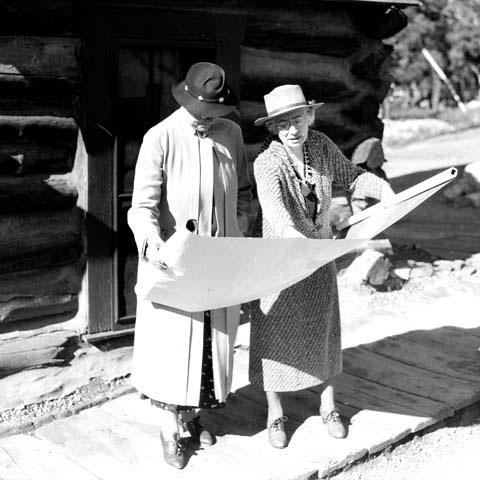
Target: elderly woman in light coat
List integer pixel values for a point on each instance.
(295, 334)
(191, 166)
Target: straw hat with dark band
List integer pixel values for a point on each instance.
(284, 99)
(205, 92)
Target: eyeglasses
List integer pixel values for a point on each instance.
(298, 121)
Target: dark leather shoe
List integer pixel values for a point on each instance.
(276, 433)
(335, 426)
(199, 433)
(173, 452)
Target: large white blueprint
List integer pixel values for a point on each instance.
(206, 273)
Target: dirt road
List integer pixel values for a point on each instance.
(437, 226)
(449, 451)
(451, 150)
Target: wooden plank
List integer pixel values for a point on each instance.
(456, 341)
(436, 361)
(473, 332)
(27, 457)
(372, 366)
(107, 447)
(132, 410)
(366, 402)
(397, 401)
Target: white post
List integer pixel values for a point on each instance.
(438, 70)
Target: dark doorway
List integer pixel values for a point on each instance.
(145, 75)
(133, 56)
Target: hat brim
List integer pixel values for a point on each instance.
(204, 109)
(262, 120)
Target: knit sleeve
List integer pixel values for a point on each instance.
(349, 176)
(270, 195)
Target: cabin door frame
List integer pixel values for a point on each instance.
(105, 30)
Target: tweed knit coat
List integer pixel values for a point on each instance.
(295, 334)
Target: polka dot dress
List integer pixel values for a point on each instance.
(207, 389)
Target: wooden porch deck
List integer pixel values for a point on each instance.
(390, 388)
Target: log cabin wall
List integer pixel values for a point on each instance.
(41, 220)
(327, 48)
(333, 49)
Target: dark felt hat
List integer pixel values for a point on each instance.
(205, 92)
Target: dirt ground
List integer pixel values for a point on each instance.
(445, 452)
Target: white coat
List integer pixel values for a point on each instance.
(174, 183)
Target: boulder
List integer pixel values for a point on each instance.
(465, 191)
(468, 200)
(474, 260)
(370, 267)
(421, 269)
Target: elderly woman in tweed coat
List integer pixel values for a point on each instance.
(295, 334)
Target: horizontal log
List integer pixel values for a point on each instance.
(55, 17)
(37, 293)
(36, 192)
(33, 157)
(327, 30)
(41, 128)
(40, 56)
(36, 240)
(28, 308)
(323, 78)
(20, 95)
(35, 351)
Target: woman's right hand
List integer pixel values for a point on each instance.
(153, 253)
